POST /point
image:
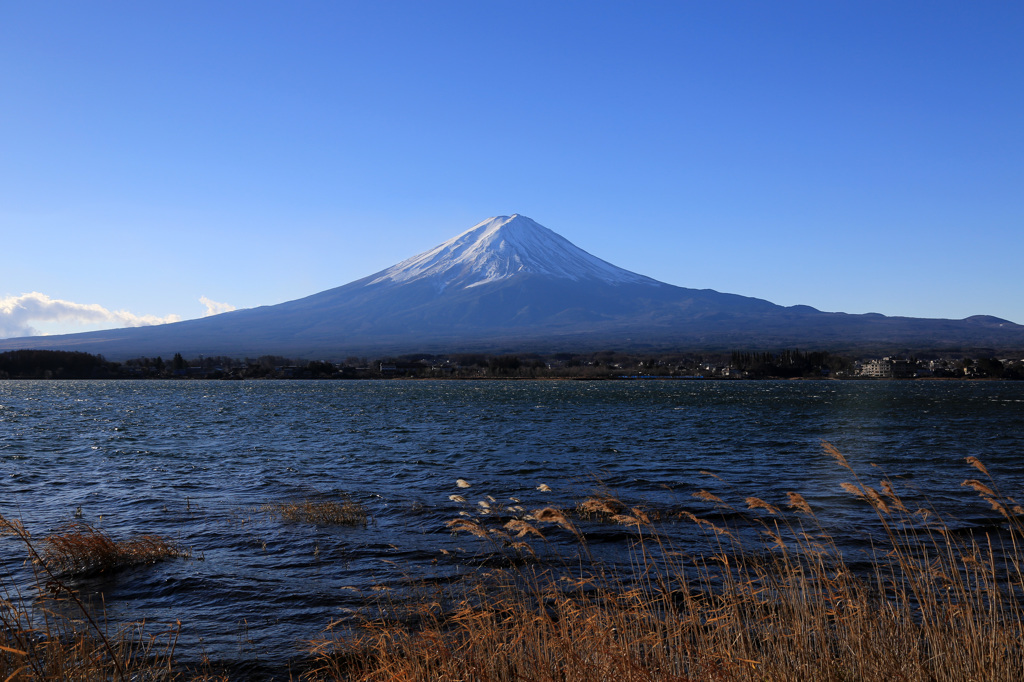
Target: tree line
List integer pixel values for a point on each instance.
(49, 364)
(611, 364)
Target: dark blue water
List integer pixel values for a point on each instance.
(194, 460)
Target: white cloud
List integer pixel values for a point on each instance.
(215, 308)
(18, 312)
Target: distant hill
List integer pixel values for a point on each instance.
(509, 284)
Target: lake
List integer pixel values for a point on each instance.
(194, 461)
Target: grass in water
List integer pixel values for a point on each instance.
(770, 598)
(321, 513)
(54, 636)
(81, 549)
(767, 595)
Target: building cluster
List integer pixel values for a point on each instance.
(888, 368)
(895, 368)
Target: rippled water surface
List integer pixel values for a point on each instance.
(194, 461)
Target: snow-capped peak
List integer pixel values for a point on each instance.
(501, 247)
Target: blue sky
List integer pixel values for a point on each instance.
(860, 157)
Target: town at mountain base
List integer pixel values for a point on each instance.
(509, 284)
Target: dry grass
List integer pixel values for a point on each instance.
(768, 597)
(55, 637)
(321, 513)
(599, 507)
(933, 604)
(53, 647)
(81, 549)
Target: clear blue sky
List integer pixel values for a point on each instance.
(852, 156)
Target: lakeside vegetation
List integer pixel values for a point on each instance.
(765, 595)
(785, 364)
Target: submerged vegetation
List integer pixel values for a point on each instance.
(80, 549)
(765, 593)
(320, 512)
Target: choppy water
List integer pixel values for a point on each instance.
(193, 461)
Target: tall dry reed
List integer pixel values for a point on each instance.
(769, 595)
(931, 604)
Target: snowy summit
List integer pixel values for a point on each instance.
(502, 247)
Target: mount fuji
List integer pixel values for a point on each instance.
(510, 284)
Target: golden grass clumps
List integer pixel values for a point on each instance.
(80, 549)
(320, 512)
(53, 647)
(606, 507)
(56, 637)
(599, 506)
(797, 501)
(932, 604)
(767, 596)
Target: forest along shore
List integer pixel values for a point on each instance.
(786, 364)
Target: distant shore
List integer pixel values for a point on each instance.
(600, 366)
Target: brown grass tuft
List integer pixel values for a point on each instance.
(552, 515)
(58, 638)
(522, 528)
(705, 523)
(604, 505)
(833, 452)
(797, 501)
(976, 463)
(467, 526)
(758, 503)
(708, 497)
(894, 499)
(876, 499)
(321, 513)
(979, 487)
(852, 489)
(80, 549)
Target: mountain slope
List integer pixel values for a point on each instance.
(501, 248)
(509, 284)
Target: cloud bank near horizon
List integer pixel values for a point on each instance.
(17, 313)
(214, 307)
